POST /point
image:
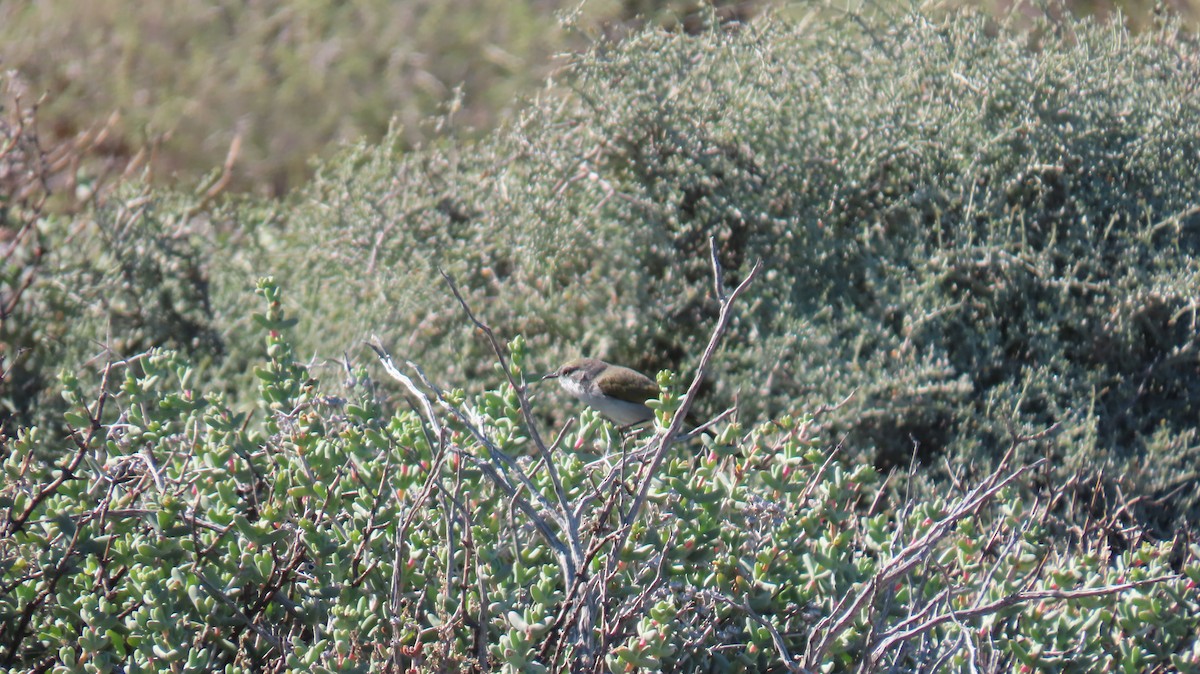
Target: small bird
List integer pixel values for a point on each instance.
(618, 393)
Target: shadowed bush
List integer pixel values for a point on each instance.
(972, 230)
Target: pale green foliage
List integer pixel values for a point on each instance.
(327, 533)
(107, 283)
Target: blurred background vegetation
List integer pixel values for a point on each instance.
(292, 81)
(281, 83)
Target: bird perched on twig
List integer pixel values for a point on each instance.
(618, 393)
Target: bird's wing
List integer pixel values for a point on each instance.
(635, 386)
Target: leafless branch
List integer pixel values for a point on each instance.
(829, 628)
(789, 661)
(1012, 599)
(665, 438)
(519, 387)
(496, 477)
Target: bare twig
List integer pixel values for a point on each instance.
(67, 472)
(704, 427)
(1020, 597)
(565, 515)
(665, 438)
(508, 463)
(829, 628)
(785, 656)
(216, 593)
(519, 387)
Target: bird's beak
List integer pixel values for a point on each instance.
(552, 375)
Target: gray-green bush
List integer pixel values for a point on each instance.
(111, 282)
(968, 227)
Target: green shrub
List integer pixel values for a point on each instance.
(965, 230)
(327, 533)
(93, 266)
(128, 275)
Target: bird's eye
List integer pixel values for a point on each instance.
(568, 370)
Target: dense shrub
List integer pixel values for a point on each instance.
(290, 82)
(129, 275)
(325, 532)
(967, 227)
(90, 262)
